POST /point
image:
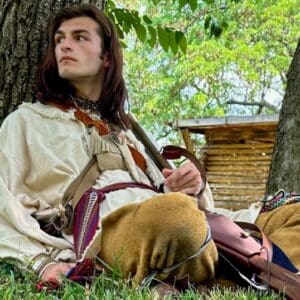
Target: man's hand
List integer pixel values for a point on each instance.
(185, 179)
(55, 272)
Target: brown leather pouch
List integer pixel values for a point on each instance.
(250, 257)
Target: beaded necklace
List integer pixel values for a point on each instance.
(86, 104)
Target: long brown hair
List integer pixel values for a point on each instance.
(52, 88)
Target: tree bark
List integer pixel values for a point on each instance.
(285, 166)
(22, 44)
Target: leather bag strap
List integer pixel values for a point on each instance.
(77, 188)
(276, 277)
(82, 183)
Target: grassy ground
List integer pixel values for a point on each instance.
(15, 284)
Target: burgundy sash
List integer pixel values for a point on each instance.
(86, 215)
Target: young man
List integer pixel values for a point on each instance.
(45, 146)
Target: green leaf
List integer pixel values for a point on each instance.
(123, 16)
(155, 2)
(179, 35)
(193, 4)
(207, 21)
(163, 38)
(140, 31)
(147, 20)
(120, 32)
(215, 29)
(182, 3)
(152, 40)
(119, 14)
(110, 5)
(136, 16)
(111, 16)
(172, 41)
(126, 27)
(183, 44)
(123, 44)
(218, 31)
(212, 28)
(181, 41)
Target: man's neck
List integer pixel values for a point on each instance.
(87, 91)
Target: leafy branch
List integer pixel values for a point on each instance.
(169, 38)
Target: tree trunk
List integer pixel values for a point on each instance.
(22, 43)
(285, 166)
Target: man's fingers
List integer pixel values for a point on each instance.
(183, 182)
(183, 175)
(194, 190)
(191, 188)
(55, 272)
(177, 175)
(186, 179)
(167, 172)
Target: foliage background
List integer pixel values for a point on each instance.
(240, 72)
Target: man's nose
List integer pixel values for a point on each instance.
(66, 45)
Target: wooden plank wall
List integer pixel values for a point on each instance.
(237, 161)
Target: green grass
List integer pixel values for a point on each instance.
(16, 284)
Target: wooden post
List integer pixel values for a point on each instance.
(187, 139)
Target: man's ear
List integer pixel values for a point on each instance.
(105, 60)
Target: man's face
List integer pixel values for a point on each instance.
(78, 50)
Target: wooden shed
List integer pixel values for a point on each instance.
(237, 155)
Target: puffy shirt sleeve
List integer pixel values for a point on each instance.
(22, 187)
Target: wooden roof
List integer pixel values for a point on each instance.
(237, 155)
(200, 125)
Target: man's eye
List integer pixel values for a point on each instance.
(81, 38)
(58, 40)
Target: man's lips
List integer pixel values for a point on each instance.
(67, 58)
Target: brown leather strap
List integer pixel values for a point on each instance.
(175, 152)
(139, 159)
(100, 125)
(77, 188)
(277, 277)
(267, 248)
(82, 183)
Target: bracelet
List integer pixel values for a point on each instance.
(40, 262)
(45, 267)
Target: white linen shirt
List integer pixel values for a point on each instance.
(42, 150)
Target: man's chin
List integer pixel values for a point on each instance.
(68, 75)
